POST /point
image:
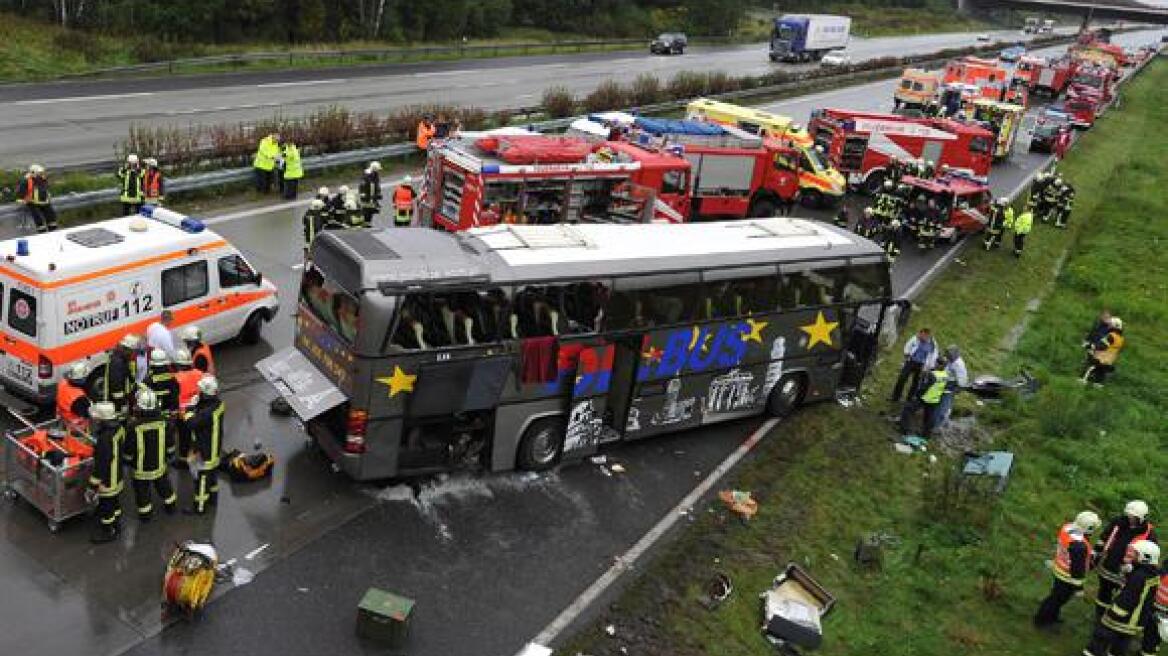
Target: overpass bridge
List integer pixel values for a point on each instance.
(1124, 10)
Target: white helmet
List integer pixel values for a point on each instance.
(146, 400)
(36, 169)
(1087, 522)
(77, 373)
(1136, 508)
(103, 411)
(343, 190)
(374, 166)
(1117, 323)
(150, 161)
(408, 179)
(316, 204)
(1145, 552)
(209, 386)
(159, 358)
(350, 203)
(130, 341)
(323, 191)
(131, 158)
(183, 357)
(192, 333)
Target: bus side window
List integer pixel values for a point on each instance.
(740, 292)
(417, 327)
(657, 300)
(866, 282)
(583, 305)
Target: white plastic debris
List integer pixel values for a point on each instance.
(241, 576)
(599, 460)
(617, 468)
(610, 630)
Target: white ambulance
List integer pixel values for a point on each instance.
(70, 296)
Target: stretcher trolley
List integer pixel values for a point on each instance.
(49, 466)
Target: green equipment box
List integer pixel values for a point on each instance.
(384, 617)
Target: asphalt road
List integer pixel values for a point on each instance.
(67, 122)
(490, 559)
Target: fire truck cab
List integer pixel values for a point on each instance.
(963, 204)
(1045, 76)
(861, 144)
(531, 178)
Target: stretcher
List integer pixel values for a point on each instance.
(48, 465)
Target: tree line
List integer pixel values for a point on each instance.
(316, 21)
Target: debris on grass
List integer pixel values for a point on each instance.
(740, 503)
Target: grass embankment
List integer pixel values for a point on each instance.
(966, 574)
(873, 21)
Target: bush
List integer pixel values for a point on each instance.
(83, 43)
(609, 95)
(719, 82)
(687, 84)
(558, 102)
(645, 90)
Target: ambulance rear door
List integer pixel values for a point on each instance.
(21, 332)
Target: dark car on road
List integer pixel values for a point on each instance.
(668, 43)
(1050, 125)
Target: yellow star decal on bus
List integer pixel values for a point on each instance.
(820, 331)
(400, 381)
(755, 334)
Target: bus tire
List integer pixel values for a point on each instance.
(252, 329)
(542, 444)
(763, 208)
(787, 395)
(811, 199)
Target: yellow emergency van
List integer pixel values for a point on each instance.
(69, 296)
(819, 183)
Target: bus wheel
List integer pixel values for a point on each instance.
(542, 444)
(763, 209)
(811, 198)
(787, 395)
(252, 328)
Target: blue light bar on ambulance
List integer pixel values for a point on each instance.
(490, 168)
(172, 218)
(22, 247)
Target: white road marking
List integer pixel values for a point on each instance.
(443, 73)
(257, 551)
(626, 560)
(304, 83)
(112, 96)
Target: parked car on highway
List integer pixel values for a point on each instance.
(1052, 124)
(668, 43)
(1012, 54)
(836, 59)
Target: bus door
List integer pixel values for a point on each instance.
(865, 297)
(591, 420)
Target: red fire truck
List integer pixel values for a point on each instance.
(861, 144)
(1092, 80)
(962, 205)
(486, 179)
(1045, 76)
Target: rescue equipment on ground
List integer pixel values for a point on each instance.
(49, 466)
(243, 467)
(190, 576)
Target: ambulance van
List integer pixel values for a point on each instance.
(70, 296)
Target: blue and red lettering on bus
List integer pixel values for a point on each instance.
(591, 366)
(695, 349)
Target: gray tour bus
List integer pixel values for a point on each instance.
(512, 346)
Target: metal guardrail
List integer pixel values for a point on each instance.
(401, 54)
(213, 179)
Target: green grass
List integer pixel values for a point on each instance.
(869, 21)
(966, 575)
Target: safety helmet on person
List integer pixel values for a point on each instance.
(77, 373)
(131, 158)
(343, 190)
(1145, 552)
(1117, 324)
(316, 204)
(1002, 201)
(407, 179)
(1136, 509)
(130, 341)
(888, 186)
(350, 203)
(103, 411)
(159, 358)
(323, 191)
(146, 400)
(209, 386)
(374, 166)
(867, 211)
(36, 169)
(151, 162)
(1087, 522)
(192, 333)
(182, 357)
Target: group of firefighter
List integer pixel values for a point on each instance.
(148, 411)
(1131, 603)
(893, 210)
(1051, 199)
(346, 210)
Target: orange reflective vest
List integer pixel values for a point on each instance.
(403, 197)
(152, 184)
(205, 351)
(188, 386)
(1062, 553)
(425, 134)
(36, 190)
(1162, 594)
(67, 395)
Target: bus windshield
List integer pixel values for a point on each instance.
(333, 306)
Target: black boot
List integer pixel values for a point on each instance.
(104, 533)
